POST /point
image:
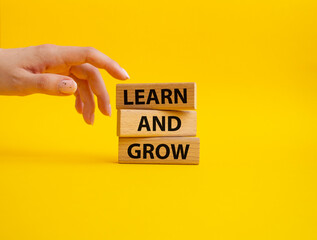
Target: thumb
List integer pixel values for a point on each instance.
(52, 84)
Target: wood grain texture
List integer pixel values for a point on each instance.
(162, 148)
(144, 123)
(158, 96)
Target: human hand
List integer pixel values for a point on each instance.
(59, 71)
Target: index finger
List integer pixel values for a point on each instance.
(72, 55)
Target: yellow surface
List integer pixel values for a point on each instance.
(255, 64)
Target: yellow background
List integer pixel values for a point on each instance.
(255, 64)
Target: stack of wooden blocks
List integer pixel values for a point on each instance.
(153, 126)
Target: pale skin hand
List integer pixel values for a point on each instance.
(59, 71)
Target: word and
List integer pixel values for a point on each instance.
(144, 123)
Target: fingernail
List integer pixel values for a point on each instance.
(67, 86)
(108, 109)
(92, 119)
(126, 74)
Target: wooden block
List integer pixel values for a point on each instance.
(149, 123)
(162, 96)
(163, 150)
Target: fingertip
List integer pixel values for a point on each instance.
(87, 119)
(126, 75)
(109, 110)
(79, 109)
(102, 105)
(67, 86)
(92, 119)
(119, 73)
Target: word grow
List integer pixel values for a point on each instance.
(161, 151)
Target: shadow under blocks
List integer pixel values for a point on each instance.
(156, 123)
